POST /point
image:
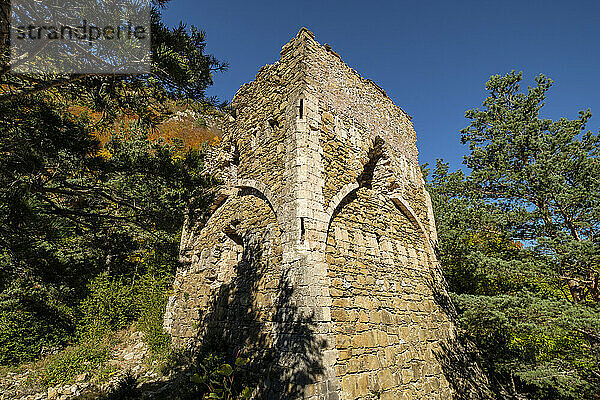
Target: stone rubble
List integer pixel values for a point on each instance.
(130, 356)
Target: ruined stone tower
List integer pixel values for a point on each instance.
(316, 260)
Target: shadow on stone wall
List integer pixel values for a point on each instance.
(460, 361)
(459, 357)
(280, 341)
(461, 369)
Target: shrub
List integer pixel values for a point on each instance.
(24, 335)
(217, 379)
(114, 304)
(30, 324)
(110, 306)
(151, 296)
(87, 356)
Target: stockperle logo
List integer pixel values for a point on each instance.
(80, 36)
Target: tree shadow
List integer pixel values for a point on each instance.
(279, 340)
(459, 357)
(459, 361)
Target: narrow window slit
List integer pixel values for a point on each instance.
(302, 229)
(301, 109)
(236, 155)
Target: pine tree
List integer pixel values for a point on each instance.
(73, 207)
(518, 242)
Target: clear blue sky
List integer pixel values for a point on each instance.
(431, 57)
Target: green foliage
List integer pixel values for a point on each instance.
(152, 299)
(110, 306)
(545, 174)
(37, 327)
(65, 366)
(114, 303)
(518, 244)
(180, 64)
(217, 379)
(81, 220)
(24, 335)
(127, 388)
(120, 221)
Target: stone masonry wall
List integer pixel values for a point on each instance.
(220, 280)
(317, 256)
(387, 325)
(386, 322)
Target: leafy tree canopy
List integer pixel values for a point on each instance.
(518, 242)
(73, 207)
